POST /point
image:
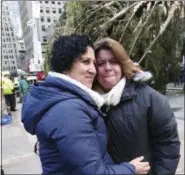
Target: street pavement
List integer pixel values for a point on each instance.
(177, 105)
(17, 145)
(18, 155)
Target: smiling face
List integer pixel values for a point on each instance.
(108, 69)
(83, 68)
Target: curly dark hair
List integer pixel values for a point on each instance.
(66, 49)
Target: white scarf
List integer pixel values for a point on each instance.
(94, 95)
(114, 95)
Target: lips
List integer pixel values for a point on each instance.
(109, 76)
(90, 78)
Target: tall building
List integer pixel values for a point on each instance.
(14, 11)
(50, 12)
(9, 42)
(21, 61)
(26, 15)
(36, 18)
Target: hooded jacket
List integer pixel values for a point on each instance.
(70, 129)
(142, 123)
(23, 86)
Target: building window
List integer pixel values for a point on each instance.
(41, 9)
(46, 2)
(59, 10)
(54, 19)
(48, 19)
(47, 10)
(59, 3)
(43, 28)
(53, 2)
(53, 10)
(41, 2)
(44, 39)
(42, 19)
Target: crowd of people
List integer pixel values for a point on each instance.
(94, 113)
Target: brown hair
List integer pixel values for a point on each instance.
(128, 67)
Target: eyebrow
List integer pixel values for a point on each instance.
(104, 59)
(87, 58)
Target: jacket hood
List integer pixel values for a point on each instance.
(41, 98)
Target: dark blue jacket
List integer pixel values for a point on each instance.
(70, 129)
(143, 124)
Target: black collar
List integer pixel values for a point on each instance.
(129, 91)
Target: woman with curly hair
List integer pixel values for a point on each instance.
(64, 113)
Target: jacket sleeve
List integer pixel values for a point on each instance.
(165, 139)
(77, 143)
(20, 86)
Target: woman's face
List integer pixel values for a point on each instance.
(108, 69)
(83, 68)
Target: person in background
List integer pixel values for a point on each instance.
(23, 85)
(64, 114)
(139, 119)
(14, 94)
(8, 92)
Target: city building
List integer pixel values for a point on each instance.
(21, 60)
(13, 7)
(50, 12)
(37, 17)
(26, 15)
(9, 41)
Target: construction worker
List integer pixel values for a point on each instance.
(8, 92)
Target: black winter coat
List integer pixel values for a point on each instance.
(144, 124)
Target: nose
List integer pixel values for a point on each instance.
(92, 69)
(108, 66)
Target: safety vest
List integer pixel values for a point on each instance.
(7, 86)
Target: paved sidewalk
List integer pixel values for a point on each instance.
(17, 145)
(171, 86)
(17, 148)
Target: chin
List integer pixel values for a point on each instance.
(110, 86)
(89, 86)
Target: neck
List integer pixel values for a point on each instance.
(105, 90)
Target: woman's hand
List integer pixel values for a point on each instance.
(141, 167)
